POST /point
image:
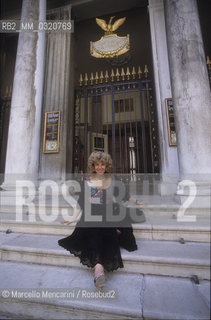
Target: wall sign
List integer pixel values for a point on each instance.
(51, 132)
(170, 122)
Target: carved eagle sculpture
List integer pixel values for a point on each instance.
(110, 28)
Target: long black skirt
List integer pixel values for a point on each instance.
(99, 245)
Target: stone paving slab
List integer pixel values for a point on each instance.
(170, 298)
(19, 275)
(138, 296)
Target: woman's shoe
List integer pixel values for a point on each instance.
(99, 281)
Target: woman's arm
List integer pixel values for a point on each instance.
(74, 218)
(77, 208)
(131, 199)
(128, 197)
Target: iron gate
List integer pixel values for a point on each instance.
(118, 118)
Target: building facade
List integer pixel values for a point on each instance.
(150, 107)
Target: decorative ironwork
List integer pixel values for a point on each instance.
(101, 77)
(91, 78)
(146, 71)
(81, 80)
(118, 116)
(117, 74)
(76, 162)
(124, 75)
(133, 73)
(112, 75)
(86, 79)
(139, 73)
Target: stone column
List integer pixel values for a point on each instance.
(168, 155)
(39, 81)
(57, 93)
(190, 87)
(24, 127)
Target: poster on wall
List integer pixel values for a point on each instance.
(171, 122)
(51, 132)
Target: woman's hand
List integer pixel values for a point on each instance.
(137, 202)
(74, 218)
(67, 221)
(140, 203)
(118, 231)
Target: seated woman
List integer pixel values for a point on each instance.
(97, 243)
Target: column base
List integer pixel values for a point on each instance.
(168, 185)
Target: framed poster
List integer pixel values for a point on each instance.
(170, 122)
(51, 132)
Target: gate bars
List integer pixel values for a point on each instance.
(119, 118)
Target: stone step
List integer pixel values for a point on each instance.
(154, 228)
(152, 257)
(154, 204)
(125, 296)
(150, 209)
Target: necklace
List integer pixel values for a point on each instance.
(100, 178)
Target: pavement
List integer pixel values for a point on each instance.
(129, 296)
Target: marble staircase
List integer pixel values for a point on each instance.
(168, 277)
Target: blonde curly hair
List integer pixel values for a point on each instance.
(103, 157)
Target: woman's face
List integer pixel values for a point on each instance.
(100, 167)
